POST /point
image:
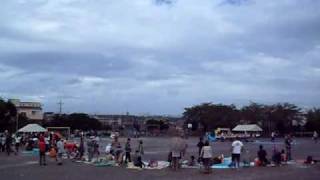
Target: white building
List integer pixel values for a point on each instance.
(32, 110)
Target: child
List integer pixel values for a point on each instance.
(137, 160)
(153, 163)
(192, 161)
(283, 156)
(276, 157)
(217, 160)
(109, 157)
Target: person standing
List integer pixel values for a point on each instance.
(42, 151)
(8, 143)
(184, 146)
(273, 136)
(60, 147)
(90, 145)
(81, 148)
(17, 140)
(96, 145)
(96, 148)
(128, 151)
(116, 150)
(237, 148)
(288, 142)
(47, 142)
(206, 156)
(200, 145)
(315, 136)
(119, 154)
(140, 148)
(2, 143)
(177, 147)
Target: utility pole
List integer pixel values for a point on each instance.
(60, 107)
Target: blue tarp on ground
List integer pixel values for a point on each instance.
(224, 165)
(34, 152)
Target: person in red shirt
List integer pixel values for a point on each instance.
(42, 151)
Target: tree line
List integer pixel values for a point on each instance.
(8, 115)
(76, 121)
(11, 120)
(281, 117)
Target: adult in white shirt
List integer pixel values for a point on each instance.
(177, 146)
(17, 140)
(315, 136)
(206, 155)
(237, 147)
(2, 143)
(273, 136)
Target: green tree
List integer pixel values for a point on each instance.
(256, 113)
(79, 121)
(253, 113)
(8, 113)
(212, 116)
(284, 117)
(23, 120)
(313, 120)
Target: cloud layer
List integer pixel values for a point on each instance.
(159, 56)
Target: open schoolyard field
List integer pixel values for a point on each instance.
(22, 167)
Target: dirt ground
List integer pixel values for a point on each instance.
(27, 168)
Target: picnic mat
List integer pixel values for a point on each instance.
(105, 164)
(224, 165)
(34, 152)
(273, 143)
(191, 167)
(161, 165)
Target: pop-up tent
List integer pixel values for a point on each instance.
(32, 128)
(247, 128)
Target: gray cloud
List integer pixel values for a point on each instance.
(159, 56)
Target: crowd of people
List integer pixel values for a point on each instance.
(11, 143)
(88, 149)
(43, 142)
(206, 158)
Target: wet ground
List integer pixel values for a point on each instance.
(26, 167)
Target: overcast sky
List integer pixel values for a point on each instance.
(159, 56)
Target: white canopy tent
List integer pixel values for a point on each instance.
(247, 128)
(32, 128)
